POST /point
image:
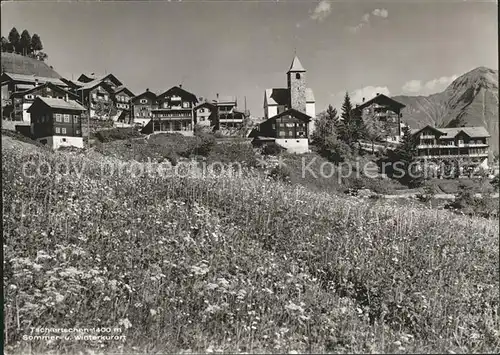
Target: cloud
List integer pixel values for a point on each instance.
(368, 92)
(321, 11)
(380, 13)
(430, 87)
(365, 19)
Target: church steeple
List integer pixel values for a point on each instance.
(296, 66)
(296, 77)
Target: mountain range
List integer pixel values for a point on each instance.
(470, 100)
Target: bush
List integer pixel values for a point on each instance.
(114, 134)
(272, 149)
(427, 194)
(280, 173)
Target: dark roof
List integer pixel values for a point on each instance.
(95, 83)
(205, 104)
(176, 90)
(450, 133)
(31, 79)
(56, 103)
(382, 99)
(145, 93)
(293, 112)
(52, 86)
(124, 88)
(87, 78)
(277, 96)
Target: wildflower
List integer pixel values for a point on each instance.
(125, 322)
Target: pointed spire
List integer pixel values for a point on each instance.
(296, 65)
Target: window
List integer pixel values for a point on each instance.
(76, 118)
(144, 101)
(58, 130)
(49, 89)
(282, 133)
(63, 139)
(29, 97)
(297, 76)
(202, 110)
(94, 95)
(66, 118)
(274, 126)
(186, 104)
(105, 97)
(58, 117)
(63, 130)
(77, 131)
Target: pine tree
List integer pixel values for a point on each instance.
(25, 43)
(14, 39)
(344, 127)
(5, 44)
(36, 43)
(405, 155)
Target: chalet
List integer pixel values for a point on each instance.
(466, 144)
(289, 129)
(22, 100)
(386, 112)
(56, 122)
(122, 99)
(98, 97)
(205, 114)
(11, 83)
(111, 80)
(175, 112)
(142, 106)
(296, 95)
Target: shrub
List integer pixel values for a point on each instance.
(110, 135)
(280, 173)
(272, 149)
(427, 194)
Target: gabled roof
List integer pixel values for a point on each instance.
(86, 78)
(294, 113)
(277, 96)
(450, 133)
(52, 86)
(56, 103)
(93, 84)
(224, 100)
(124, 88)
(147, 93)
(208, 104)
(382, 99)
(176, 90)
(73, 83)
(296, 66)
(473, 132)
(281, 96)
(31, 79)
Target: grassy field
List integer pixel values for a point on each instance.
(228, 264)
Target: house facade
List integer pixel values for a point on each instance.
(205, 114)
(295, 96)
(387, 114)
(22, 100)
(174, 112)
(227, 113)
(122, 100)
(97, 96)
(289, 129)
(468, 145)
(56, 122)
(16, 84)
(142, 107)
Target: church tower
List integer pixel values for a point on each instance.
(296, 76)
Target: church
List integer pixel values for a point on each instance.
(289, 113)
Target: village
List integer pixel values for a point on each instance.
(58, 112)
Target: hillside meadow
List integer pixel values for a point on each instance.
(223, 263)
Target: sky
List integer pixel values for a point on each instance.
(240, 48)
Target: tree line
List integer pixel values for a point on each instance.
(24, 44)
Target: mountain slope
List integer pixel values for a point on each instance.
(470, 100)
(18, 64)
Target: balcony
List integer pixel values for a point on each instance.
(427, 137)
(473, 145)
